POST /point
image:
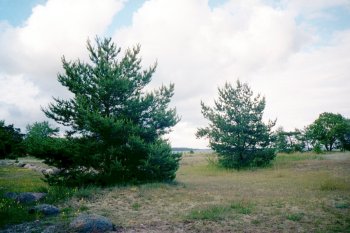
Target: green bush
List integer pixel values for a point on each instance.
(10, 141)
(40, 139)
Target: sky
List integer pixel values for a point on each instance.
(295, 53)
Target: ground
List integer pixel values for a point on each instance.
(298, 193)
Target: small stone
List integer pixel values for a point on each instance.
(45, 209)
(30, 197)
(91, 224)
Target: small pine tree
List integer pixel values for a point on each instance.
(236, 131)
(116, 127)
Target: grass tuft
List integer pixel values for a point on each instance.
(86, 192)
(242, 207)
(296, 217)
(342, 205)
(214, 212)
(136, 206)
(333, 185)
(218, 212)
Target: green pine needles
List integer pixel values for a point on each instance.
(115, 126)
(236, 130)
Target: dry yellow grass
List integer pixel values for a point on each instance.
(298, 193)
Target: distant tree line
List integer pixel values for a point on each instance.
(116, 127)
(328, 132)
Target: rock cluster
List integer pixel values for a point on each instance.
(46, 171)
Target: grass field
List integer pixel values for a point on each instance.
(297, 193)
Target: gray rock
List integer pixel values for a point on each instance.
(20, 164)
(45, 209)
(48, 171)
(29, 197)
(21, 228)
(90, 224)
(29, 166)
(50, 229)
(5, 163)
(10, 195)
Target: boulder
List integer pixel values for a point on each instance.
(45, 209)
(10, 195)
(48, 171)
(90, 224)
(29, 197)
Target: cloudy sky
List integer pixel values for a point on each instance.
(296, 53)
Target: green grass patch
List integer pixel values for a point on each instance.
(15, 179)
(342, 205)
(242, 207)
(85, 192)
(282, 158)
(214, 212)
(296, 217)
(12, 212)
(136, 206)
(334, 185)
(217, 212)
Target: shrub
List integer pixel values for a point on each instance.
(10, 141)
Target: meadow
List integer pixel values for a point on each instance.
(297, 193)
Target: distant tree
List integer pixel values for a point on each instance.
(289, 141)
(329, 129)
(39, 137)
(10, 141)
(281, 142)
(236, 130)
(116, 127)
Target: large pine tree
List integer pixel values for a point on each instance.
(116, 127)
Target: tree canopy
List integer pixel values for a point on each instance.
(236, 130)
(10, 141)
(115, 126)
(330, 130)
(290, 141)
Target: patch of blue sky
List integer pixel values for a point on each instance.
(15, 12)
(277, 4)
(215, 3)
(327, 22)
(124, 17)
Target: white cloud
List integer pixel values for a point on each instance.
(30, 55)
(199, 48)
(20, 100)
